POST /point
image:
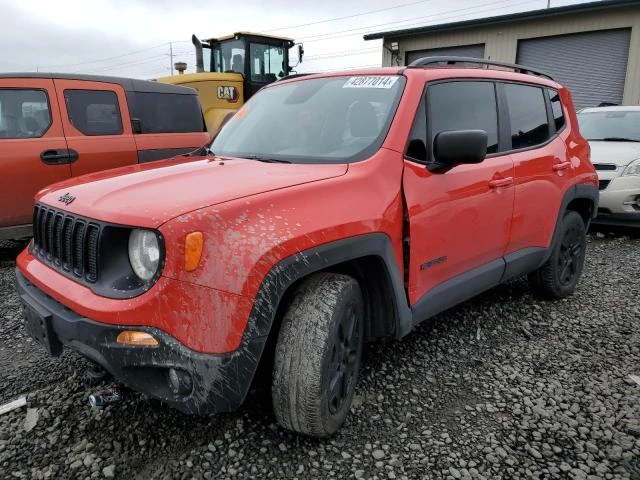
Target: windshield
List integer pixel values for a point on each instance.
(610, 125)
(323, 120)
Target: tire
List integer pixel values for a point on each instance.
(313, 353)
(558, 276)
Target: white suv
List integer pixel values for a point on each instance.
(614, 136)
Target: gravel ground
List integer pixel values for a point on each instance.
(504, 386)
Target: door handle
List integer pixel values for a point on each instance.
(501, 182)
(59, 157)
(561, 166)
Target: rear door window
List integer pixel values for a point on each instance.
(527, 115)
(464, 105)
(166, 112)
(24, 113)
(94, 112)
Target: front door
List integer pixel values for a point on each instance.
(33, 150)
(458, 221)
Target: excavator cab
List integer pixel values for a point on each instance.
(230, 69)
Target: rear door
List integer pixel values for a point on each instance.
(96, 124)
(459, 220)
(543, 167)
(33, 150)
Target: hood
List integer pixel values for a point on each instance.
(620, 154)
(151, 194)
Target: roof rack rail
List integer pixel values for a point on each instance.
(434, 61)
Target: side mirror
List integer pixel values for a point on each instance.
(457, 147)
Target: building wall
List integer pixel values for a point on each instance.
(501, 40)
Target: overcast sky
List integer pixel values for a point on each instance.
(131, 37)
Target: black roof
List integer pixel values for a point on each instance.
(129, 84)
(529, 15)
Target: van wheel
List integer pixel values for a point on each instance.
(559, 275)
(318, 355)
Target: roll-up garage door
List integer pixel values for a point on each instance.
(475, 51)
(592, 65)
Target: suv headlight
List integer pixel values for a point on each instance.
(144, 253)
(632, 169)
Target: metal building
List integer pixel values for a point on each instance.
(592, 48)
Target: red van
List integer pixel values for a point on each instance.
(57, 126)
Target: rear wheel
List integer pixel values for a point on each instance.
(318, 355)
(559, 275)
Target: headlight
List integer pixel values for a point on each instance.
(633, 168)
(144, 253)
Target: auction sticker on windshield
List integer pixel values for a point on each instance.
(379, 81)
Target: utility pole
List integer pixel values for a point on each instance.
(548, 3)
(171, 57)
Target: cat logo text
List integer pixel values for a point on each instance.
(229, 94)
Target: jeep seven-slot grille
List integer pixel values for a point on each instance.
(66, 242)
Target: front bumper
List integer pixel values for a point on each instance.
(621, 196)
(220, 382)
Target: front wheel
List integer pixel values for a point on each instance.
(318, 355)
(559, 275)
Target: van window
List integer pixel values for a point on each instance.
(556, 108)
(94, 112)
(167, 112)
(464, 106)
(528, 115)
(23, 113)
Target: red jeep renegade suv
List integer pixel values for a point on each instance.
(330, 210)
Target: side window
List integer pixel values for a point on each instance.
(464, 106)
(267, 62)
(556, 108)
(527, 114)
(23, 113)
(166, 112)
(94, 112)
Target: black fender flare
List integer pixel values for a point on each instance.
(580, 191)
(324, 256)
(291, 269)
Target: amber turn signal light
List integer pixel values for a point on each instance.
(193, 250)
(131, 337)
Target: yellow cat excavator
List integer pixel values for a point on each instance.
(232, 68)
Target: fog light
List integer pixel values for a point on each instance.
(180, 382)
(142, 339)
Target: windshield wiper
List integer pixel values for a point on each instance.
(203, 151)
(614, 139)
(265, 159)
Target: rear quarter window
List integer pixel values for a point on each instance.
(166, 112)
(556, 108)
